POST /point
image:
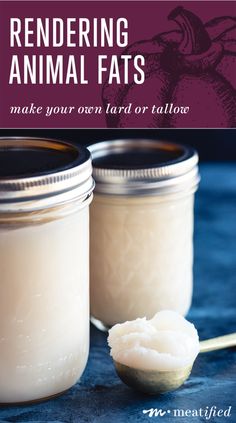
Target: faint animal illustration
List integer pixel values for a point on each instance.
(193, 65)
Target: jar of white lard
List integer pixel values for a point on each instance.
(45, 190)
(141, 229)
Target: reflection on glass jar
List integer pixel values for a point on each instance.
(141, 229)
(44, 262)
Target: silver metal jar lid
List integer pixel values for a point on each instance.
(37, 173)
(143, 167)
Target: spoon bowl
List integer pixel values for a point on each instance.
(152, 382)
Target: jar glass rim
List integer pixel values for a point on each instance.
(59, 171)
(139, 166)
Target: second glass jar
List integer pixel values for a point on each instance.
(141, 229)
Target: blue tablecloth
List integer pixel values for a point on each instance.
(101, 397)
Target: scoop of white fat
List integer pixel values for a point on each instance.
(166, 342)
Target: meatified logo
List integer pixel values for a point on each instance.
(206, 413)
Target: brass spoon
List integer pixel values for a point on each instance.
(157, 382)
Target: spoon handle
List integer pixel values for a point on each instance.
(218, 343)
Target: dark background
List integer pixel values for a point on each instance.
(212, 144)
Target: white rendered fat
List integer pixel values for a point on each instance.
(44, 307)
(165, 342)
(141, 256)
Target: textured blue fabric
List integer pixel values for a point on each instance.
(101, 397)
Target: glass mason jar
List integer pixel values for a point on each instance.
(141, 230)
(45, 191)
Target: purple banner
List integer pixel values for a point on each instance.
(118, 64)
